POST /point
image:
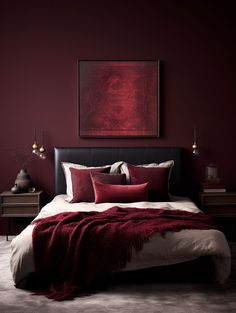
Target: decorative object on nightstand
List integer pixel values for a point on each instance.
(23, 181)
(213, 187)
(19, 205)
(211, 173)
(212, 182)
(15, 189)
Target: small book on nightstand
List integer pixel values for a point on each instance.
(213, 187)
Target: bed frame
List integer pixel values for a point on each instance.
(102, 156)
(199, 269)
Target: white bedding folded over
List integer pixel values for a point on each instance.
(174, 247)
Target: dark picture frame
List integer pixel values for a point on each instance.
(118, 99)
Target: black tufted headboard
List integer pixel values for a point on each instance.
(101, 156)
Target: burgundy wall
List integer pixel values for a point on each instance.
(42, 40)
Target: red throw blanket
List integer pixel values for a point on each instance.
(75, 252)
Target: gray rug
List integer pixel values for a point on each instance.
(137, 298)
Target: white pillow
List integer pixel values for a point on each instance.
(66, 167)
(115, 167)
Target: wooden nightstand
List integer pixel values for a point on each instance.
(19, 205)
(219, 204)
(222, 207)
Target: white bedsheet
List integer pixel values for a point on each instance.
(174, 247)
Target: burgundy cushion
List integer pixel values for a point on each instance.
(120, 193)
(82, 186)
(157, 178)
(115, 179)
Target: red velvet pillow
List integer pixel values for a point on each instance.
(82, 186)
(157, 178)
(115, 179)
(120, 193)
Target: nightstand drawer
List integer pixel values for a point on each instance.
(220, 211)
(218, 199)
(14, 199)
(20, 205)
(222, 204)
(19, 210)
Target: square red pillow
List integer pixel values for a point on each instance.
(157, 178)
(82, 186)
(120, 193)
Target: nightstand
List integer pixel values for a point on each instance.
(19, 205)
(221, 205)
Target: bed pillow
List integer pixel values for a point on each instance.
(116, 167)
(115, 179)
(120, 193)
(122, 167)
(157, 178)
(66, 168)
(82, 186)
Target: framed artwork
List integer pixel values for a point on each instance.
(118, 99)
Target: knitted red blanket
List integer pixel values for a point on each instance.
(74, 253)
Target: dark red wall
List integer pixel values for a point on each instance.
(42, 40)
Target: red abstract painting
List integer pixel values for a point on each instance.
(118, 99)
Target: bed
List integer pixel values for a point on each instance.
(176, 247)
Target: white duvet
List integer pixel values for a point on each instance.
(174, 247)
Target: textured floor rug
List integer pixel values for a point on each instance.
(138, 298)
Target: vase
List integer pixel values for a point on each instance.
(23, 181)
